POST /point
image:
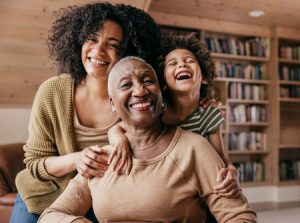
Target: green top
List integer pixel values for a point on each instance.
(203, 121)
(51, 133)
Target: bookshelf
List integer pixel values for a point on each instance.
(242, 68)
(243, 85)
(286, 104)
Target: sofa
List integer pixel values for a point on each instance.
(11, 162)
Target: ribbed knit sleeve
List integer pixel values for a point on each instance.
(50, 126)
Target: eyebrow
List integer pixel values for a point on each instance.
(167, 61)
(112, 38)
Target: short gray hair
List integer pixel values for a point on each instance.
(114, 68)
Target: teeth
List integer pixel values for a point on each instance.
(98, 62)
(183, 74)
(141, 105)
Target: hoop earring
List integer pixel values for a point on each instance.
(163, 107)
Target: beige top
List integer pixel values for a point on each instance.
(85, 136)
(170, 187)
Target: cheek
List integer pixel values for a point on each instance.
(168, 76)
(113, 55)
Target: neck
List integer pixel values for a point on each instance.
(95, 88)
(183, 105)
(142, 139)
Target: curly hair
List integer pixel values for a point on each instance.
(76, 24)
(192, 43)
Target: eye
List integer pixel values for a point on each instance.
(113, 45)
(148, 81)
(172, 63)
(190, 60)
(92, 39)
(125, 85)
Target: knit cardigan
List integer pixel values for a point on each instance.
(51, 133)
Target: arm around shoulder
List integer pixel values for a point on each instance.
(225, 209)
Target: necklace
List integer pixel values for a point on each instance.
(155, 142)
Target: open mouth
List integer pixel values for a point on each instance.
(98, 62)
(183, 75)
(140, 106)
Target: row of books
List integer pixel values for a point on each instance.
(246, 141)
(251, 171)
(290, 91)
(289, 73)
(239, 70)
(247, 113)
(289, 52)
(289, 169)
(245, 47)
(247, 91)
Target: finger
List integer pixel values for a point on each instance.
(116, 161)
(221, 174)
(232, 193)
(228, 188)
(100, 158)
(84, 171)
(129, 165)
(228, 181)
(219, 104)
(95, 165)
(121, 163)
(112, 155)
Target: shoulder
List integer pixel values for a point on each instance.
(54, 88)
(62, 81)
(210, 111)
(213, 118)
(191, 139)
(196, 147)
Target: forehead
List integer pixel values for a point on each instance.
(132, 67)
(179, 53)
(111, 27)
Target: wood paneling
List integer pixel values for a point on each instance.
(24, 62)
(24, 28)
(278, 12)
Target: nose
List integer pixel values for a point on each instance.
(181, 64)
(100, 47)
(139, 91)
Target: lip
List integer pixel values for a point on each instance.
(185, 74)
(96, 61)
(141, 105)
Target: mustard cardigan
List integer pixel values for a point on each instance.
(51, 133)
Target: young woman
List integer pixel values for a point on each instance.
(71, 112)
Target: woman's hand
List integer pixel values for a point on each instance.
(121, 155)
(230, 186)
(91, 162)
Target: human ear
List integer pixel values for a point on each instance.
(112, 105)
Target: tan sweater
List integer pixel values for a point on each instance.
(168, 188)
(51, 133)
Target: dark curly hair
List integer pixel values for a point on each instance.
(75, 24)
(192, 43)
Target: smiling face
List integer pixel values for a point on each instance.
(135, 93)
(100, 52)
(182, 72)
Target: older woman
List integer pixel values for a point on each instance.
(71, 112)
(170, 178)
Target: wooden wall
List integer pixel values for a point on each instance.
(24, 62)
